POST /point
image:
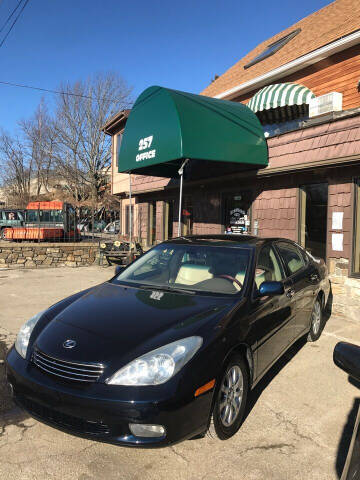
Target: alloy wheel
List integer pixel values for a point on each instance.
(231, 394)
(316, 318)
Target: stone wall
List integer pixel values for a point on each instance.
(345, 290)
(43, 255)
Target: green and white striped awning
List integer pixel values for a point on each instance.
(280, 95)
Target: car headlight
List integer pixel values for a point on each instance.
(23, 337)
(157, 366)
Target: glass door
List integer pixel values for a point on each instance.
(313, 218)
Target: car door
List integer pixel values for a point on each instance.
(302, 274)
(270, 316)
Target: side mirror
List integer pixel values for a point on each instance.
(271, 288)
(347, 357)
(119, 269)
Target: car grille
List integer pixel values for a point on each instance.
(62, 420)
(78, 372)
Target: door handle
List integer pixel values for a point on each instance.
(290, 293)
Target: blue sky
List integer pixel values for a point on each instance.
(180, 44)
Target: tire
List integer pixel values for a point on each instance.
(316, 321)
(2, 234)
(230, 402)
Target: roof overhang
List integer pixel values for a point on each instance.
(165, 127)
(116, 123)
(293, 66)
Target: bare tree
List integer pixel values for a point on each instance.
(83, 150)
(67, 153)
(39, 146)
(16, 170)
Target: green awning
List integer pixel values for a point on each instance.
(280, 95)
(167, 126)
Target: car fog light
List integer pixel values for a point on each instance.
(142, 430)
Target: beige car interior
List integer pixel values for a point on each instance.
(189, 274)
(268, 269)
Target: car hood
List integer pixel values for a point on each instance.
(116, 323)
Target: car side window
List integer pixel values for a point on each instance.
(292, 257)
(268, 268)
(304, 255)
(11, 215)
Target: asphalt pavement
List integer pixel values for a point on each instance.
(298, 425)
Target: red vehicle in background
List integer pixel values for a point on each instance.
(46, 221)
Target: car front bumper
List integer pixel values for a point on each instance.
(98, 413)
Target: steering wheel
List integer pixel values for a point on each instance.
(230, 278)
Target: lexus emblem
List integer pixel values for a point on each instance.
(69, 344)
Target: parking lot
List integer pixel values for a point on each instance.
(299, 420)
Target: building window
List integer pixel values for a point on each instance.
(273, 48)
(238, 213)
(356, 240)
(313, 218)
(279, 127)
(119, 137)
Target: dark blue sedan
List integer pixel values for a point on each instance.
(170, 347)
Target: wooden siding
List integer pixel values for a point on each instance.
(275, 212)
(338, 73)
(339, 200)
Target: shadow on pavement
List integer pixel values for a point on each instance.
(10, 414)
(346, 435)
(284, 360)
(255, 394)
(328, 306)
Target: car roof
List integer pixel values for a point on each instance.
(224, 240)
(8, 209)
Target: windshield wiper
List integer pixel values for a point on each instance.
(167, 289)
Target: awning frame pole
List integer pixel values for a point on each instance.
(130, 214)
(181, 173)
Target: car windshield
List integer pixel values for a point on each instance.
(191, 268)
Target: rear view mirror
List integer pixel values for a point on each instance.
(269, 289)
(347, 357)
